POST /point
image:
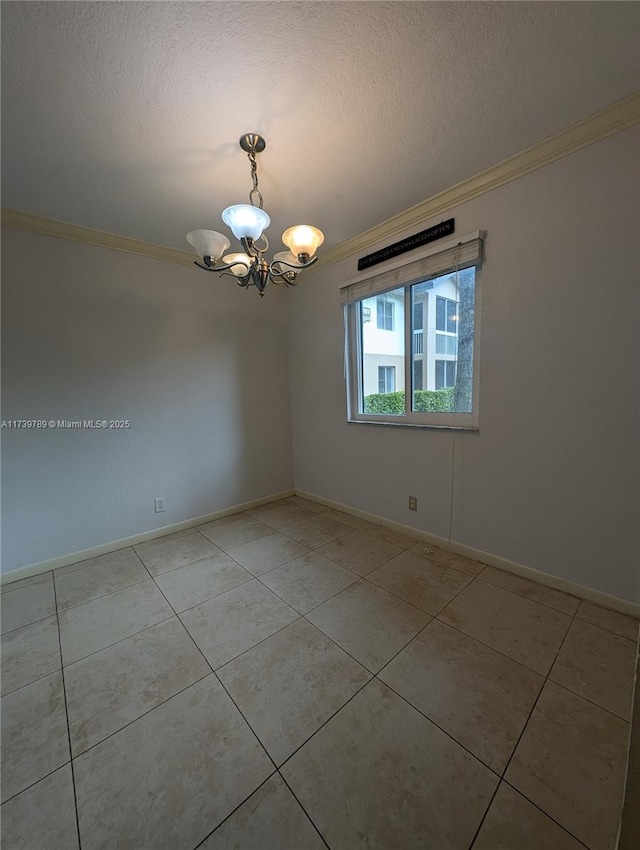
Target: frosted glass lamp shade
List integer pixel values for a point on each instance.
(303, 239)
(287, 257)
(246, 221)
(240, 269)
(208, 243)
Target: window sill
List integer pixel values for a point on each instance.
(431, 426)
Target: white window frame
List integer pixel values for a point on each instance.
(438, 261)
(388, 370)
(392, 314)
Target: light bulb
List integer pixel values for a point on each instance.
(240, 269)
(286, 257)
(246, 221)
(208, 243)
(303, 240)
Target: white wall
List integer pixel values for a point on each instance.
(198, 365)
(551, 479)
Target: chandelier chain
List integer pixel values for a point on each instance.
(254, 179)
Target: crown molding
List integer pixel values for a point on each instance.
(76, 233)
(619, 116)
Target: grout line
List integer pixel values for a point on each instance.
(546, 814)
(546, 679)
(104, 595)
(176, 615)
(231, 813)
(26, 625)
(484, 816)
(357, 578)
(444, 731)
(488, 646)
(66, 710)
(38, 679)
(328, 720)
(244, 651)
(11, 586)
(526, 598)
(116, 642)
(208, 598)
(586, 699)
(249, 726)
(38, 781)
(295, 796)
(139, 717)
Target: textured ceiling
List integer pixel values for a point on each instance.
(125, 116)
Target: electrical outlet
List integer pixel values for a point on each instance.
(158, 505)
(413, 503)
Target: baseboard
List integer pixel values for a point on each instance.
(599, 597)
(105, 548)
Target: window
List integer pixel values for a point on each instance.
(417, 374)
(423, 370)
(445, 374)
(385, 314)
(386, 379)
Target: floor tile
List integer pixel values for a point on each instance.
(523, 630)
(282, 515)
(290, 684)
(233, 530)
(43, 816)
(369, 623)
(599, 666)
(361, 553)
(630, 827)
(34, 734)
(571, 763)
(195, 583)
(513, 823)
(29, 653)
(271, 819)
(120, 683)
(28, 605)
(308, 581)
(612, 621)
(421, 582)
(207, 767)
(235, 621)
(404, 541)
(380, 775)
(100, 576)
(532, 590)
(308, 504)
(449, 559)
(317, 531)
(175, 550)
(267, 552)
(346, 519)
(97, 624)
(473, 693)
(10, 586)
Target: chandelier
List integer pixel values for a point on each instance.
(248, 223)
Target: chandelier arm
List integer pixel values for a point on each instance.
(243, 281)
(287, 283)
(291, 266)
(222, 268)
(203, 266)
(249, 248)
(266, 245)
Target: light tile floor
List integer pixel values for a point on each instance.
(293, 678)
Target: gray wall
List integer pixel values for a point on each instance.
(551, 479)
(198, 366)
